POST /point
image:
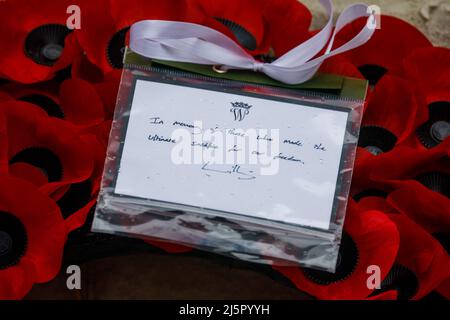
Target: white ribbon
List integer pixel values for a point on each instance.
(193, 43)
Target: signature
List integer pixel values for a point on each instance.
(234, 170)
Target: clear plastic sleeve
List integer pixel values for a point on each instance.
(247, 237)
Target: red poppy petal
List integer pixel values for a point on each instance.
(376, 203)
(107, 91)
(78, 219)
(4, 96)
(84, 69)
(428, 69)
(81, 103)
(388, 295)
(170, 247)
(392, 106)
(16, 281)
(137, 10)
(79, 201)
(341, 66)
(363, 185)
(287, 24)
(444, 288)
(28, 172)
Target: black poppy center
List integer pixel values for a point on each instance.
(346, 264)
(370, 193)
(376, 140)
(444, 240)
(244, 37)
(45, 103)
(401, 279)
(78, 195)
(45, 44)
(372, 73)
(436, 181)
(43, 159)
(268, 57)
(437, 128)
(13, 240)
(116, 48)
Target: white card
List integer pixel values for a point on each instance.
(241, 153)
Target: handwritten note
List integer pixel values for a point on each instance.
(240, 153)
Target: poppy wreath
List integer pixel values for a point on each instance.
(58, 91)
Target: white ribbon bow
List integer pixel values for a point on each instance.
(193, 43)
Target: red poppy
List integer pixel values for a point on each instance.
(430, 79)
(422, 180)
(387, 48)
(405, 164)
(369, 238)
(32, 237)
(35, 41)
(389, 116)
(286, 25)
(421, 264)
(388, 121)
(46, 151)
(243, 19)
(104, 36)
(74, 100)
